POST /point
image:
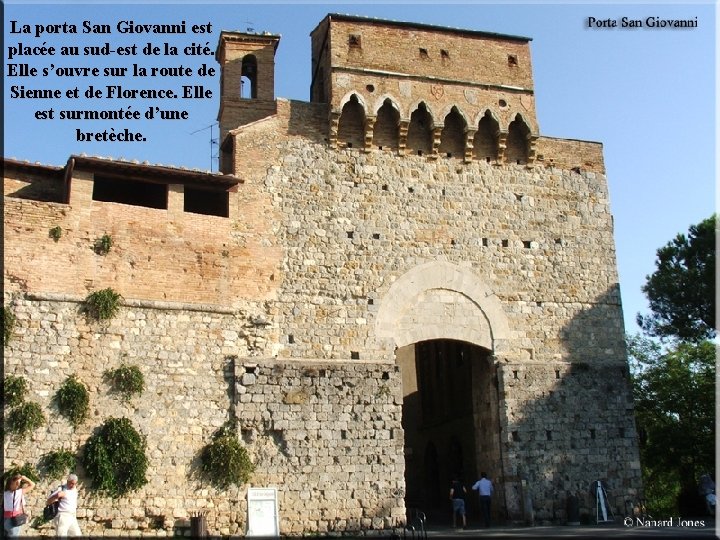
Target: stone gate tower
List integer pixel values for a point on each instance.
(434, 241)
(396, 281)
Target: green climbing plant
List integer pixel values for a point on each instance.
(126, 380)
(8, 324)
(24, 419)
(14, 390)
(114, 458)
(103, 244)
(224, 461)
(73, 400)
(103, 304)
(55, 233)
(58, 463)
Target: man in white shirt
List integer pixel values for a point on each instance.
(66, 521)
(484, 487)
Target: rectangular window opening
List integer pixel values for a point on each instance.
(206, 201)
(132, 192)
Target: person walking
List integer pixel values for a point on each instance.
(457, 496)
(66, 520)
(16, 486)
(484, 487)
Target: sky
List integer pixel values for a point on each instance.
(647, 94)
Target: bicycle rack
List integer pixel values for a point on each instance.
(415, 527)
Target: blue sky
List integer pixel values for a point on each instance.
(647, 94)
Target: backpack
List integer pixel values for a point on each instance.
(51, 510)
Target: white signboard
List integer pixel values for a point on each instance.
(263, 519)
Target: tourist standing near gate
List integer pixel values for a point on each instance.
(484, 487)
(14, 516)
(457, 496)
(66, 523)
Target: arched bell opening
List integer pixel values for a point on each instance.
(248, 77)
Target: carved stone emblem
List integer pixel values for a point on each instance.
(405, 88)
(526, 102)
(471, 96)
(437, 91)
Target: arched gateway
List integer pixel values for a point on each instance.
(446, 325)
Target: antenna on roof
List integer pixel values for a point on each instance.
(213, 141)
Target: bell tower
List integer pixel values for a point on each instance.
(247, 78)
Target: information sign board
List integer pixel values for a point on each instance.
(263, 519)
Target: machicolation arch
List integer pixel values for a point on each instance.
(426, 133)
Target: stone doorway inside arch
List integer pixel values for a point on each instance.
(450, 419)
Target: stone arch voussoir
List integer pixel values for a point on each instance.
(440, 300)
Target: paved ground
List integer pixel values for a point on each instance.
(675, 529)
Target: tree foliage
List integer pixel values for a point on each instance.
(674, 393)
(681, 291)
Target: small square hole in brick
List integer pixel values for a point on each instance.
(354, 355)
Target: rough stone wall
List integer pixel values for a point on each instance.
(531, 235)
(330, 436)
(567, 425)
(185, 359)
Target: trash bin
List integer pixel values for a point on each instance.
(573, 510)
(198, 525)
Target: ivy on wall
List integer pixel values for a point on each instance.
(73, 400)
(225, 461)
(114, 458)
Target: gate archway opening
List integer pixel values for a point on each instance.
(450, 420)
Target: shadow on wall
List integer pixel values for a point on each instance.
(309, 120)
(581, 429)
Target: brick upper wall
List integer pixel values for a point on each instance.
(162, 255)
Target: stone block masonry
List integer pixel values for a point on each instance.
(328, 436)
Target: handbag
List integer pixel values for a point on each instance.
(20, 519)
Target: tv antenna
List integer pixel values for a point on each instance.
(213, 141)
